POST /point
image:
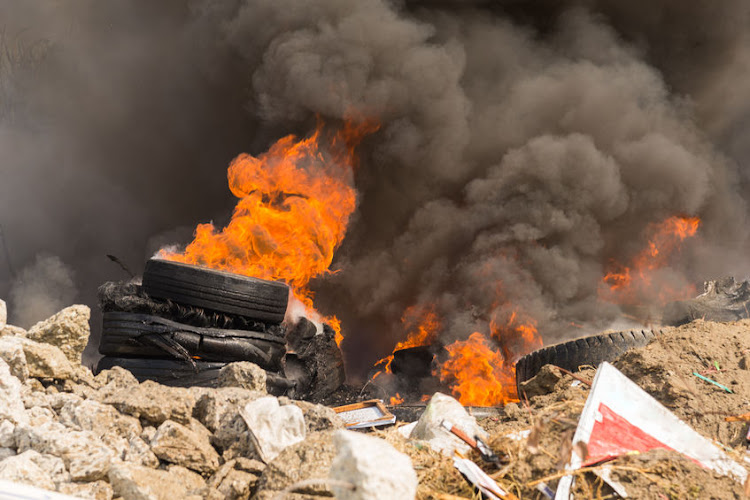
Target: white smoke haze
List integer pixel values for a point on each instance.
(40, 290)
(521, 148)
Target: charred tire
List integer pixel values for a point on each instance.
(216, 290)
(580, 352)
(178, 374)
(142, 335)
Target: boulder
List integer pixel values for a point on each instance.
(373, 466)
(152, 402)
(136, 482)
(69, 330)
(11, 402)
(243, 374)
(177, 444)
(442, 407)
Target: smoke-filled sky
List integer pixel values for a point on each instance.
(522, 145)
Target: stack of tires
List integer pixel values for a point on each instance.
(184, 323)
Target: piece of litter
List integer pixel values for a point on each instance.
(481, 481)
(545, 490)
(713, 382)
(476, 443)
(372, 413)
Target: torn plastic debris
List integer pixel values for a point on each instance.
(273, 427)
(481, 481)
(365, 414)
(620, 417)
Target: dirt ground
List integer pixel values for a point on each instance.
(664, 368)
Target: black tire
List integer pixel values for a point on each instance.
(216, 290)
(580, 352)
(142, 335)
(178, 374)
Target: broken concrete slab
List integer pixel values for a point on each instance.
(68, 329)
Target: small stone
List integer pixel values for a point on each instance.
(139, 453)
(375, 467)
(97, 490)
(237, 485)
(148, 433)
(135, 482)
(243, 374)
(180, 445)
(69, 330)
(745, 361)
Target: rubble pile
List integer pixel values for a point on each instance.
(108, 436)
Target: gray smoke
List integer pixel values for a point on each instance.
(40, 290)
(521, 147)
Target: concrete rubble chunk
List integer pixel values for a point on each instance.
(116, 378)
(46, 361)
(177, 444)
(139, 452)
(373, 466)
(68, 329)
(39, 415)
(6, 453)
(11, 399)
(152, 402)
(319, 417)
(273, 427)
(12, 352)
(101, 419)
(309, 459)
(243, 374)
(3, 314)
(233, 482)
(24, 469)
(85, 456)
(215, 408)
(7, 437)
(135, 482)
(96, 490)
(443, 407)
(12, 331)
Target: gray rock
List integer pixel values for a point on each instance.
(309, 459)
(24, 469)
(139, 453)
(12, 352)
(177, 444)
(3, 314)
(243, 374)
(69, 330)
(152, 402)
(11, 402)
(102, 420)
(135, 482)
(85, 456)
(319, 417)
(442, 407)
(97, 490)
(376, 469)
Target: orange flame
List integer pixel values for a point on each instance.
(633, 285)
(396, 400)
(422, 325)
(478, 375)
(294, 205)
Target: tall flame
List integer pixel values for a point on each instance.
(634, 284)
(294, 205)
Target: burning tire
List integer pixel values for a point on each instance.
(580, 352)
(179, 374)
(128, 334)
(216, 290)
